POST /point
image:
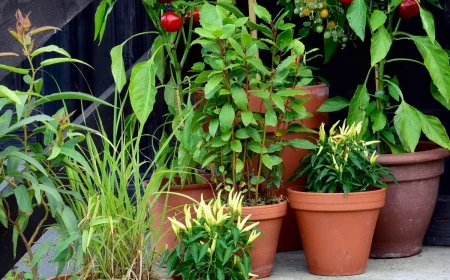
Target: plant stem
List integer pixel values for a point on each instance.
(405, 59)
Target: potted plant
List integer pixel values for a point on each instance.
(338, 208)
(237, 146)
(166, 70)
(416, 166)
(28, 167)
(216, 244)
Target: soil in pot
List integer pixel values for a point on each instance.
(265, 246)
(175, 206)
(409, 207)
(336, 230)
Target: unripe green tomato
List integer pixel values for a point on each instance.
(318, 20)
(335, 39)
(327, 35)
(320, 6)
(344, 39)
(319, 28)
(340, 33)
(297, 2)
(344, 45)
(334, 33)
(301, 9)
(296, 11)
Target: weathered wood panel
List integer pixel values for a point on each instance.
(44, 12)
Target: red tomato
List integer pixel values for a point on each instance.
(187, 17)
(171, 22)
(408, 9)
(346, 2)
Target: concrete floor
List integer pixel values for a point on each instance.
(432, 263)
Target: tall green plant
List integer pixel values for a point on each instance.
(28, 167)
(383, 21)
(237, 142)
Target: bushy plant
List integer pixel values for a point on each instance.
(342, 162)
(214, 243)
(237, 141)
(28, 167)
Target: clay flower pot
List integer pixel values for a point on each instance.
(61, 277)
(265, 246)
(336, 230)
(174, 208)
(404, 219)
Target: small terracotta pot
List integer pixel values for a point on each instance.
(270, 218)
(404, 220)
(175, 206)
(336, 230)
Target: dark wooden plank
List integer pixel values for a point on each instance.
(44, 12)
(438, 233)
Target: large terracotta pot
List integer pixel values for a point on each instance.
(336, 230)
(270, 218)
(404, 220)
(175, 206)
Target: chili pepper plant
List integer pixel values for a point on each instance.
(383, 21)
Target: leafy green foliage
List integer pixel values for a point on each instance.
(216, 244)
(236, 79)
(342, 163)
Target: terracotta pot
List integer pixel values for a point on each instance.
(61, 277)
(175, 206)
(336, 230)
(265, 246)
(178, 277)
(409, 206)
(289, 237)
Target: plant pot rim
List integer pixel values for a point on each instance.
(432, 153)
(336, 202)
(188, 186)
(266, 212)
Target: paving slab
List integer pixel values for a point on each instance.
(432, 263)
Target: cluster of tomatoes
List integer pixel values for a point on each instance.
(320, 16)
(172, 22)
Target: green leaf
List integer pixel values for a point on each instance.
(10, 94)
(279, 102)
(236, 146)
(62, 246)
(334, 104)
(50, 48)
(284, 39)
(267, 161)
(160, 59)
(226, 117)
(257, 63)
(35, 118)
(380, 45)
(38, 255)
(262, 13)
(170, 93)
(358, 103)
(393, 89)
(142, 89)
(239, 96)
(4, 220)
(239, 165)
(53, 61)
(271, 118)
(100, 20)
(256, 147)
(14, 69)
(211, 86)
(408, 126)
(23, 199)
(23, 222)
(213, 126)
(291, 92)
(246, 40)
(356, 16)
(436, 61)
(28, 159)
(70, 95)
(236, 47)
(330, 48)
(5, 120)
(302, 144)
(210, 17)
(231, 8)
(428, 23)
(76, 156)
(69, 220)
(264, 94)
(377, 19)
(247, 117)
(434, 130)
(118, 67)
(379, 122)
(395, 3)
